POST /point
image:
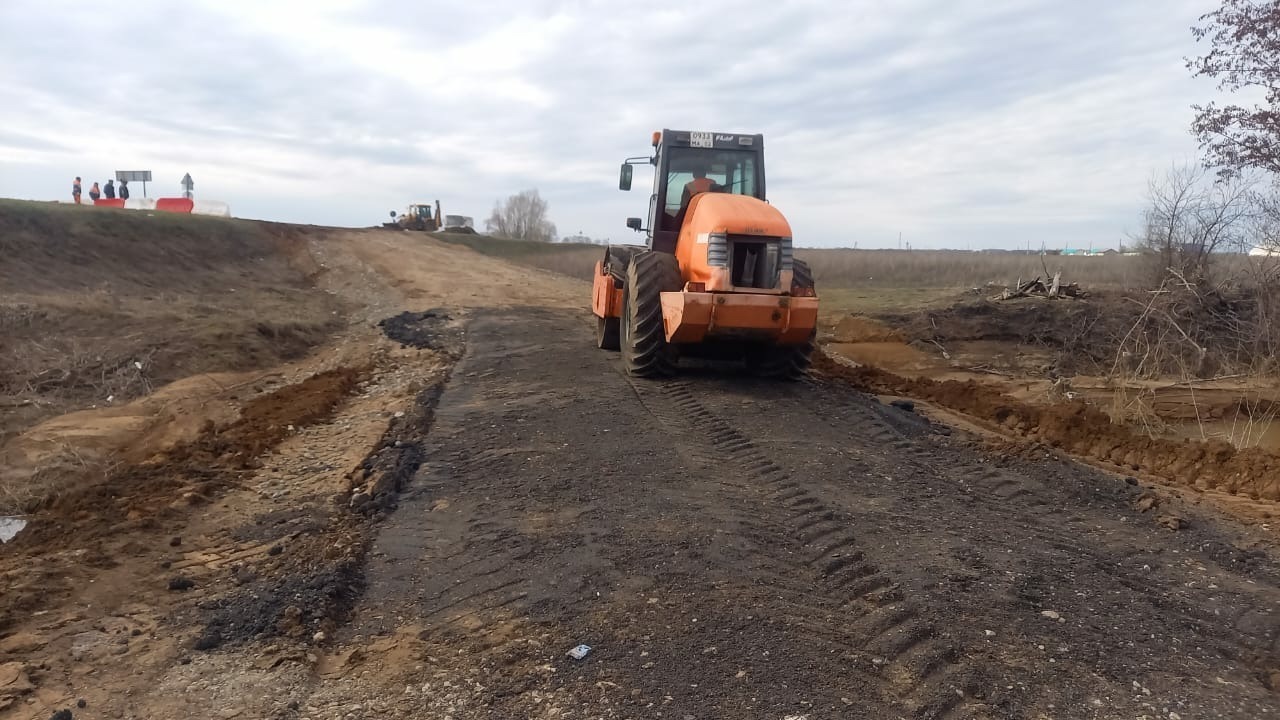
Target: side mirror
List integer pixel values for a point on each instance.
(634, 224)
(393, 213)
(624, 177)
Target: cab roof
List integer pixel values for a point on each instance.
(713, 140)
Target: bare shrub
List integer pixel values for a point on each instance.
(71, 369)
(67, 467)
(1211, 315)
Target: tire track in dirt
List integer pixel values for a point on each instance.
(1041, 512)
(1073, 545)
(887, 637)
(733, 548)
(543, 513)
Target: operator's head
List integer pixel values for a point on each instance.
(699, 173)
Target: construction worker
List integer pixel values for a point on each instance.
(94, 192)
(75, 191)
(699, 184)
(109, 190)
(124, 189)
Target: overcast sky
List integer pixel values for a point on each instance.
(971, 123)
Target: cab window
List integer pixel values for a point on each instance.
(731, 171)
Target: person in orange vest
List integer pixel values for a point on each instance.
(94, 193)
(699, 184)
(75, 191)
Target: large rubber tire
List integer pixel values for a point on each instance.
(608, 333)
(789, 362)
(785, 362)
(615, 262)
(645, 351)
(801, 275)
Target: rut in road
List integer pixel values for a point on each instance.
(740, 548)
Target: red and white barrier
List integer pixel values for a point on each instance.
(178, 205)
(211, 207)
(175, 205)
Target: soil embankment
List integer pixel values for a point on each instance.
(100, 307)
(1083, 430)
(1019, 369)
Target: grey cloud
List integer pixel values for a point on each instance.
(25, 141)
(841, 92)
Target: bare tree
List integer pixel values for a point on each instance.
(1244, 55)
(1189, 218)
(521, 217)
(1214, 307)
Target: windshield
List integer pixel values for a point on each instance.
(730, 171)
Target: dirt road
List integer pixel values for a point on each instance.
(728, 547)
(732, 548)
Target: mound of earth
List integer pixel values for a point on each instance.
(858, 329)
(1204, 332)
(100, 306)
(1083, 430)
(1084, 333)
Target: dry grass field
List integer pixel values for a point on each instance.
(958, 269)
(572, 259)
(870, 281)
(850, 268)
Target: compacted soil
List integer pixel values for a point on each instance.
(449, 489)
(736, 548)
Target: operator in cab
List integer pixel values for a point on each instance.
(699, 184)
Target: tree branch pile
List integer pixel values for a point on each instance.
(1036, 287)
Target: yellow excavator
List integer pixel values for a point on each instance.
(418, 216)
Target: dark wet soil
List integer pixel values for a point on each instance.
(311, 582)
(430, 329)
(737, 548)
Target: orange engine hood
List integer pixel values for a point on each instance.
(720, 213)
(734, 215)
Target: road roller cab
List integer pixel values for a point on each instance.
(716, 276)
